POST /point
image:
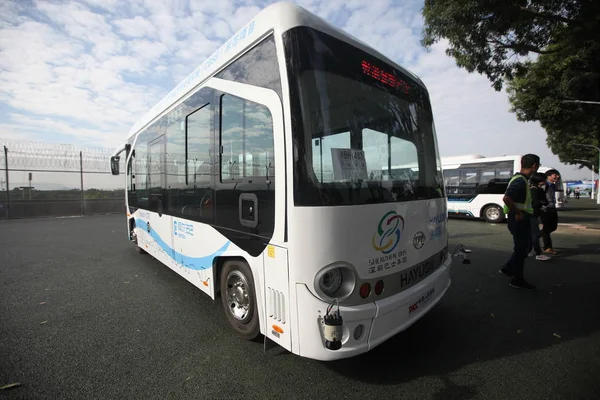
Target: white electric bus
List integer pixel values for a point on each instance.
(475, 185)
(226, 185)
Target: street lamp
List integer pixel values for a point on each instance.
(580, 101)
(597, 148)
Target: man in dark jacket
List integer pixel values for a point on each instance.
(549, 216)
(518, 207)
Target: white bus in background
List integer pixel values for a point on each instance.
(475, 185)
(254, 180)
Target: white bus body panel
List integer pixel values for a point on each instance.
(324, 235)
(474, 207)
(276, 323)
(192, 255)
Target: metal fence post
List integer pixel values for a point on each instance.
(81, 175)
(7, 184)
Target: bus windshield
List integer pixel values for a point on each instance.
(354, 118)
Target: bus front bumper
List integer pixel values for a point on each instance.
(368, 325)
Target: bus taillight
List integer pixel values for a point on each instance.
(379, 287)
(365, 290)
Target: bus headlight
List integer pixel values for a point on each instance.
(335, 281)
(331, 281)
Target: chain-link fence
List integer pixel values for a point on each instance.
(40, 179)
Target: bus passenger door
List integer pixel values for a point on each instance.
(159, 225)
(250, 193)
(130, 195)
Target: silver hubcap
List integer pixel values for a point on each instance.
(238, 296)
(493, 213)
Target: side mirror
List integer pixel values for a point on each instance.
(114, 165)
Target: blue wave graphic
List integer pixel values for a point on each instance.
(194, 263)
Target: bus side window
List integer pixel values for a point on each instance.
(131, 173)
(247, 166)
(140, 168)
(246, 140)
(198, 202)
(175, 161)
(156, 175)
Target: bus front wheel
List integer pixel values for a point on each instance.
(493, 213)
(238, 299)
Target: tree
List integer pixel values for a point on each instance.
(544, 50)
(494, 37)
(538, 96)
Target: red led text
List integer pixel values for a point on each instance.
(384, 77)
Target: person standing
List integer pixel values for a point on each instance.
(549, 216)
(517, 200)
(537, 183)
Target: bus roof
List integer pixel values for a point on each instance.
(278, 18)
(455, 162)
(467, 159)
(459, 159)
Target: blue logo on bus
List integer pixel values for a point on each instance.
(388, 233)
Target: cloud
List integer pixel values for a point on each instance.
(136, 27)
(86, 71)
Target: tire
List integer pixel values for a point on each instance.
(239, 299)
(493, 214)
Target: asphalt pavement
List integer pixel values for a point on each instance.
(581, 214)
(83, 316)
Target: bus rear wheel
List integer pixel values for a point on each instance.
(493, 213)
(239, 300)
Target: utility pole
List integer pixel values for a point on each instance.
(7, 184)
(597, 148)
(589, 145)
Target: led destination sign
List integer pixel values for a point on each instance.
(384, 77)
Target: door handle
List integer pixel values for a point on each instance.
(248, 210)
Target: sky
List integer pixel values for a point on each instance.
(83, 72)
